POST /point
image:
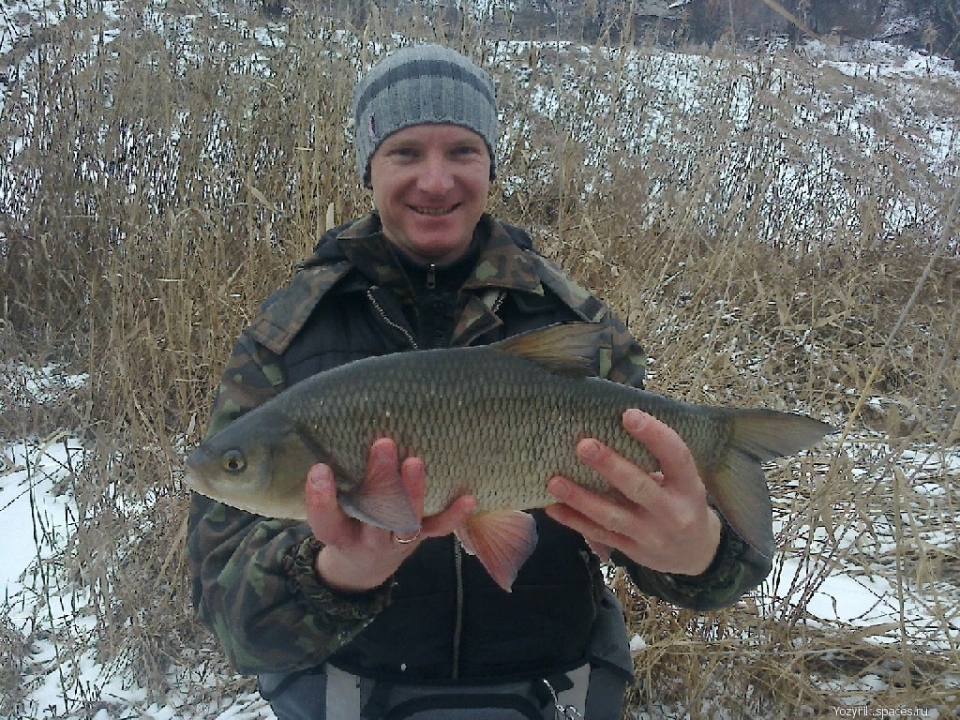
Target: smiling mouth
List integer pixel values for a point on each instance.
(434, 211)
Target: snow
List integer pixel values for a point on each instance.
(37, 514)
(869, 603)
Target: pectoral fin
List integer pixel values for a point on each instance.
(383, 502)
(502, 542)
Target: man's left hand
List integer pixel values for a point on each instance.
(660, 520)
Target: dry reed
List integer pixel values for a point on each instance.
(172, 168)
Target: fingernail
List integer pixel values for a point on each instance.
(381, 455)
(589, 450)
(557, 486)
(320, 476)
(634, 419)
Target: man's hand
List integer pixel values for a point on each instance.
(660, 520)
(357, 556)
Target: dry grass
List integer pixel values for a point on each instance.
(173, 168)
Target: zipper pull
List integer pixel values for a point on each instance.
(432, 276)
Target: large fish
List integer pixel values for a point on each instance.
(495, 421)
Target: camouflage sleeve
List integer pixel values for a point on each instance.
(736, 568)
(254, 582)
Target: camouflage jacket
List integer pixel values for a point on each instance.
(254, 579)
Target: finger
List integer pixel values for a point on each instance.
(384, 479)
(663, 442)
(448, 520)
(321, 491)
(596, 535)
(327, 520)
(610, 512)
(626, 477)
(413, 475)
(382, 459)
(413, 472)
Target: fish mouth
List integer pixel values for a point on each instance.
(193, 478)
(193, 481)
(434, 211)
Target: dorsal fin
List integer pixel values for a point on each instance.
(564, 349)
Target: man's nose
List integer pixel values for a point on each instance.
(436, 176)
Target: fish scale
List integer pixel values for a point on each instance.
(496, 422)
(491, 425)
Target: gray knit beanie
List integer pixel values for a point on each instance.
(422, 84)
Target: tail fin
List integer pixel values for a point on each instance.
(736, 481)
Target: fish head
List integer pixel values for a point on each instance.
(256, 466)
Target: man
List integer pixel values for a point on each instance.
(344, 620)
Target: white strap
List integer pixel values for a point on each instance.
(343, 695)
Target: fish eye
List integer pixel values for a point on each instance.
(234, 462)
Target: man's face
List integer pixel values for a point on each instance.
(430, 185)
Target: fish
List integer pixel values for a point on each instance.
(494, 421)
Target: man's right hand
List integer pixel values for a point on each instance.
(357, 556)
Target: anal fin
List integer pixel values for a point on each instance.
(502, 541)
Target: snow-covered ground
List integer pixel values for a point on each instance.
(37, 514)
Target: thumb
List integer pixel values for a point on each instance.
(320, 490)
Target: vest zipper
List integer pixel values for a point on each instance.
(388, 321)
(458, 625)
(457, 549)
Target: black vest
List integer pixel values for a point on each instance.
(447, 619)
